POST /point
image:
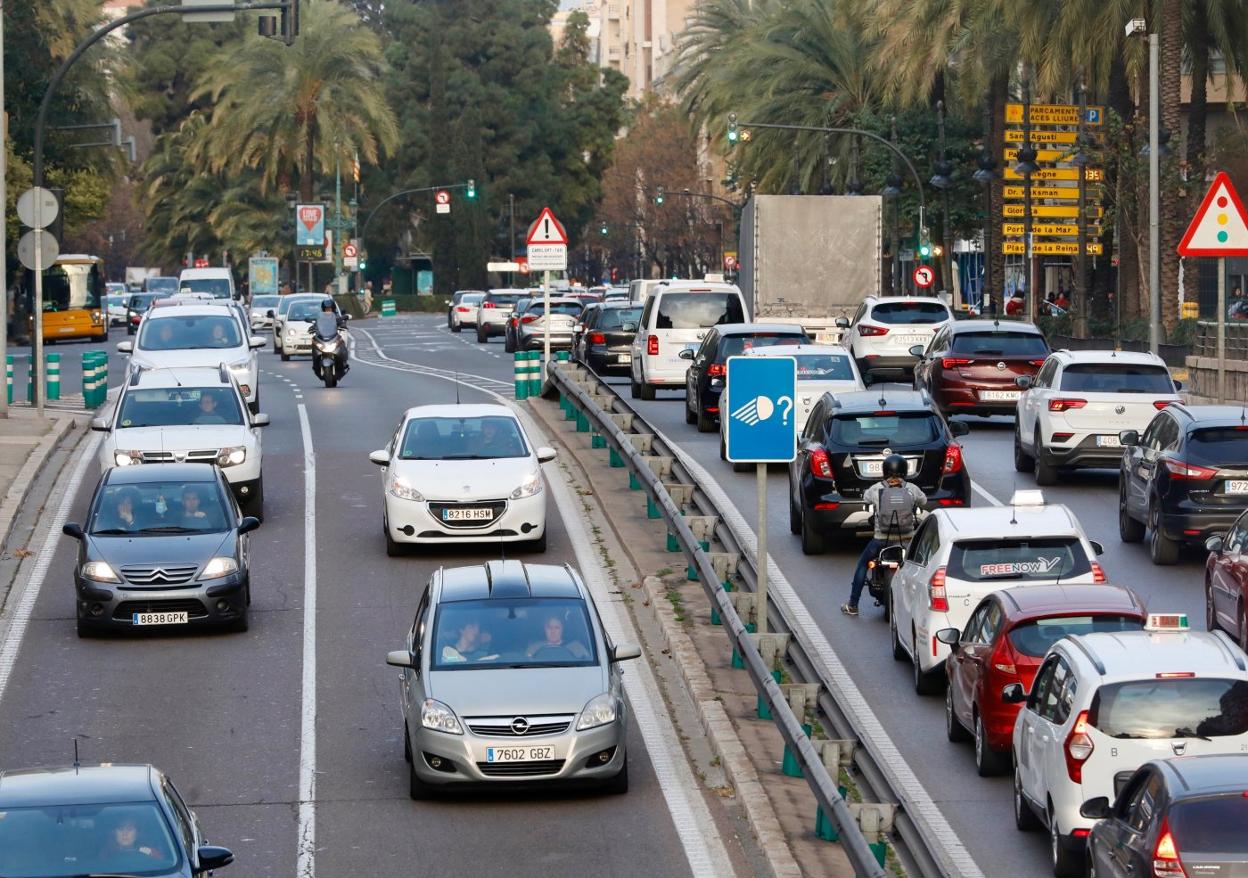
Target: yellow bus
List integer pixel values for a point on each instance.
(73, 299)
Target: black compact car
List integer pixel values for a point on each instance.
(136, 306)
(704, 382)
(1173, 817)
(605, 341)
(1185, 478)
(841, 453)
(164, 546)
(101, 820)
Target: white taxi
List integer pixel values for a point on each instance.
(1103, 704)
(959, 556)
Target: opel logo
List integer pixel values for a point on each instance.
(1120, 410)
(520, 725)
(1001, 366)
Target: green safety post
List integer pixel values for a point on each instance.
(597, 440)
(8, 376)
(634, 484)
(30, 378)
(88, 378)
(764, 709)
(520, 370)
(691, 572)
(824, 827)
(614, 458)
(387, 308)
(563, 356)
(54, 376)
(790, 767)
(535, 373)
(582, 422)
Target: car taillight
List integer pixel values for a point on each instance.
(1078, 747)
(953, 459)
(652, 345)
(1166, 855)
(1160, 404)
(951, 362)
(1098, 573)
(820, 466)
(488, 305)
(462, 309)
(1065, 405)
(717, 370)
(1179, 469)
(597, 338)
(1036, 362)
(864, 329)
(528, 318)
(1003, 659)
(938, 600)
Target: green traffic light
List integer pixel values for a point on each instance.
(604, 230)
(658, 196)
(472, 189)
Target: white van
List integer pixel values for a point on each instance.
(217, 281)
(676, 316)
(639, 290)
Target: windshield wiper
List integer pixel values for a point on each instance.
(1188, 733)
(111, 532)
(466, 457)
(169, 529)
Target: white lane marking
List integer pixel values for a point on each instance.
(983, 492)
(448, 374)
(24, 606)
(305, 866)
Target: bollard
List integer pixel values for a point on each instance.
(30, 379)
(614, 459)
(597, 440)
(520, 372)
(764, 709)
(634, 484)
(8, 376)
(90, 361)
(582, 422)
(691, 571)
(652, 508)
(562, 356)
(824, 828)
(535, 373)
(789, 767)
(54, 376)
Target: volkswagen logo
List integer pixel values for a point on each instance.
(1001, 366)
(1120, 410)
(520, 725)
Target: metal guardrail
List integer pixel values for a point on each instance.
(918, 849)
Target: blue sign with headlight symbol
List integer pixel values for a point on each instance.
(759, 425)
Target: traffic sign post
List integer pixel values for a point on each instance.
(442, 199)
(924, 277)
(546, 250)
(758, 402)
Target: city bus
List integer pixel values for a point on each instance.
(73, 300)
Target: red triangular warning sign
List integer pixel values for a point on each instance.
(1220, 227)
(546, 230)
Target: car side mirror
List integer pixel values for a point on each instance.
(1013, 694)
(212, 856)
(949, 637)
(1213, 544)
(1096, 809)
(623, 652)
(99, 425)
(546, 454)
(842, 323)
(917, 350)
(1023, 381)
(893, 554)
(70, 529)
(1129, 437)
(628, 327)
(256, 342)
(381, 457)
(580, 327)
(270, 314)
(686, 354)
(346, 318)
(1097, 547)
(260, 420)
(248, 524)
(125, 347)
(959, 428)
(401, 658)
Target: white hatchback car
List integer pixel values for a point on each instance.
(1103, 704)
(280, 312)
(1070, 413)
(959, 556)
(187, 415)
(462, 474)
(464, 312)
(199, 335)
(676, 316)
(884, 328)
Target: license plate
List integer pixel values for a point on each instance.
(871, 467)
(914, 339)
(999, 394)
(519, 754)
(1236, 486)
(467, 514)
(624, 358)
(1108, 442)
(159, 618)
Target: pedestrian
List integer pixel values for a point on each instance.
(1062, 301)
(1237, 306)
(1014, 305)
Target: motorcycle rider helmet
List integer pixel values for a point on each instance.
(327, 304)
(895, 467)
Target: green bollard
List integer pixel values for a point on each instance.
(634, 484)
(563, 356)
(764, 709)
(652, 508)
(30, 379)
(614, 459)
(521, 375)
(673, 545)
(54, 376)
(8, 376)
(88, 379)
(880, 849)
(597, 440)
(789, 767)
(582, 422)
(691, 572)
(535, 374)
(824, 827)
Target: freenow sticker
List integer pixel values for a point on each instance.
(1040, 565)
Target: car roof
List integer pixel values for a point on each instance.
(874, 400)
(452, 410)
(1214, 415)
(556, 300)
(1137, 655)
(180, 376)
(508, 291)
(160, 472)
(1190, 776)
(880, 300)
(754, 328)
(694, 286)
(205, 272)
(508, 579)
(195, 309)
(1110, 356)
(960, 326)
(83, 785)
(789, 350)
(1029, 601)
(988, 522)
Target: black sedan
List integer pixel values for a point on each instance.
(165, 546)
(100, 820)
(604, 340)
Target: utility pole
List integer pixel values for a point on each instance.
(338, 223)
(1080, 305)
(4, 234)
(1154, 195)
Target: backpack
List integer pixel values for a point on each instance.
(894, 511)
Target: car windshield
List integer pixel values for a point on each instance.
(1211, 825)
(1035, 637)
(217, 287)
(303, 311)
(189, 332)
(572, 309)
(287, 301)
(162, 284)
(179, 406)
(1025, 559)
(1000, 344)
(732, 345)
(140, 301)
(697, 310)
(502, 300)
(1219, 445)
(824, 367)
(472, 299)
(1116, 378)
(910, 312)
(116, 838)
(885, 428)
(264, 302)
(517, 633)
(1176, 707)
(155, 508)
(477, 438)
(615, 318)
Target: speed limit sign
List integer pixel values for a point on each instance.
(924, 277)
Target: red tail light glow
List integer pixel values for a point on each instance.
(863, 329)
(1179, 469)
(1078, 747)
(1065, 405)
(1160, 404)
(488, 305)
(953, 459)
(717, 370)
(652, 345)
(826, 507)
(597, 338)
(938, 599)
(528, 318)
(951, 362)
(1098, 573)
(462, 309)
(820, 466)
(1166, 855)
(1036, 362)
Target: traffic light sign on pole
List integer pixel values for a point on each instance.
(733, 133)
(605, 230)
(658, 195)
(925, 243)
(472, 189)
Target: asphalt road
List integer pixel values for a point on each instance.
(979, 809)
(222, 713)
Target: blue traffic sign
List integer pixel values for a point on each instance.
(759, 422)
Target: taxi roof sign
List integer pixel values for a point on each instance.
(1166, 622)
(1027, 498)
(1220, 226)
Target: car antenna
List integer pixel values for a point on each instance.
(456, 382)
(77, 763)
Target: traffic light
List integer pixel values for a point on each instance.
(363, 262)
(472, 189)
(604, 230)
(284, 26)
(925, 243)
(658, 195)
(734, 133)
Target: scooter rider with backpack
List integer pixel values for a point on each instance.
(897, 504)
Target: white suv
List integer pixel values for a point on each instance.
(1071, 412)
(675, 318)
(884, 328)
(959, 556)
(187, 415)
(199, 335)
(1103, 704)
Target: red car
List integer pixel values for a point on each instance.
(1226, 581)
(1005, 639)
(971, 366)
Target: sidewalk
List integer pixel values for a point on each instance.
(25, 443)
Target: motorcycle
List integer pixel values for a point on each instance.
(329, 349)
(880, 572)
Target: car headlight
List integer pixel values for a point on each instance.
(437, 716)
(218, 567)
(239, 368)
(598, 712)
(232, 456)
(531, 485)
(291, 332)
(99, 571)
(399, 487)
(126, 458)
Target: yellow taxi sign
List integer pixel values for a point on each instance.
(1166, 622)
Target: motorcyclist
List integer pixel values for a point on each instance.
(897, 504)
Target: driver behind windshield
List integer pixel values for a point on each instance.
(553, 642)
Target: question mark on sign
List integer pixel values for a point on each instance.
(785, 402)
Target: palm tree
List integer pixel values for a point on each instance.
(300, 110)
(179, 195)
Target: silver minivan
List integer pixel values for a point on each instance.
(509, 677)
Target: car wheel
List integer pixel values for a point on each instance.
(1211, 616)
(1243, 626)
(988, 762)
(795, 517)
(691, 416)
(509, 347)
(1024, 818)
(924, 683)
(723, 455)
(1022, 460)
(954, 730)
(457, 327)
(417, 789)
(407, 743)
(706, 424)
(1129, 530)
(618, 785)
(1045, 472)
(899, 651)
(85, 631)
(393, 549)
(812, 541)
(1067, 863)
(285, 356)
(482, 337)
(539, 544)
(634, 389)
(647, 391)
(1161, 549)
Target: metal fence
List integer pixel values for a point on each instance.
(1205, 343)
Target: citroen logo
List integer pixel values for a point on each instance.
(1120, 410)
(1001, 366)
(520, 725)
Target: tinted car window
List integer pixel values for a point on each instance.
(189, 332)
(570, 308)
(1023, 559)
(162, 284)
(265, 301)
(1000, 344)
(481, 438)
(140, 301)
(1035, 637)
(154, 508)
(471, 298)
(218, 287)
(732, 345)
(1213, 825)
(526, 632)
(910, 312)
(87, 840)
(178, 406)
(824, 367)
(697, 310)
(614, 318)
(1218, 445)
(883, 429)
(1171, 708)
(1113, 378)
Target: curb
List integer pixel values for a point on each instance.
(26, 476)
